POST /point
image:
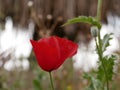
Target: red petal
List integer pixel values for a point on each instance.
(47, 53)
(67, 49)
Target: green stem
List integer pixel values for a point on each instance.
(102, 61)
(99, 10)
(99, 46)
(106, 76)
(51, 81)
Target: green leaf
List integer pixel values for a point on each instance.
(105, 41)
(109, 63)
(100, 73)
(95, 84)
(84, 19)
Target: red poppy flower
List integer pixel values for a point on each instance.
(51, 52)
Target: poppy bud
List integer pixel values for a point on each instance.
(94, 31)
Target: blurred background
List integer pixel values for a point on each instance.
(22, 20)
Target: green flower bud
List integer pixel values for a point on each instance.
(94, 31)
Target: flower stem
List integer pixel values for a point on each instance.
(51, 81)
(103, 65)
(99, 46)
(99, 10)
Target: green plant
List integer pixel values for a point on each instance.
(99, 79)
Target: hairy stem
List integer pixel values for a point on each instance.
(99, 46)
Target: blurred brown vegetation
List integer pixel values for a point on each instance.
(48, 16)
(19, 10)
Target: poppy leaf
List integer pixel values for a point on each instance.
(83, 19)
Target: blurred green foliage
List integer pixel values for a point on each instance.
(65, 78)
